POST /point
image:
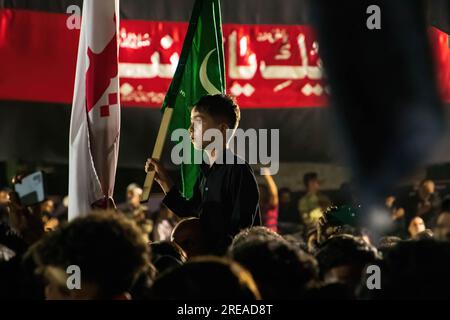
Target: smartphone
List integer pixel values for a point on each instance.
(31, 189)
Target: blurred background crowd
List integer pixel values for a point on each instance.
(310, 247)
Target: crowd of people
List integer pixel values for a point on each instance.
(312, 248)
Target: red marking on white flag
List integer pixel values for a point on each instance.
(102, 68)
(112, 100)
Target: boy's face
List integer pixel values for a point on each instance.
(200, 123)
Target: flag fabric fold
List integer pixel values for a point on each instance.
(95, 119)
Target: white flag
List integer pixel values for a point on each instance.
(95, 119)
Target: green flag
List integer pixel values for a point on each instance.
(200, 71)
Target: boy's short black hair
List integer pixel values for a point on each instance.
(221, 107)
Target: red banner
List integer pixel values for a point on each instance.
(267, 65)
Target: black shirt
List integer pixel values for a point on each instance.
(225, 198)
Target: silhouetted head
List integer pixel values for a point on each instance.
(189, 235)
(108, 250)
(206, 278)
(342, 258)
(166, 255)
(134, 193)
(413, 270)
(285, 195)
(442, 229)
(280, 270)
(311, 182)
(259, 232)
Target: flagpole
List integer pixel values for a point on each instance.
(171, 97)
(157, 151)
